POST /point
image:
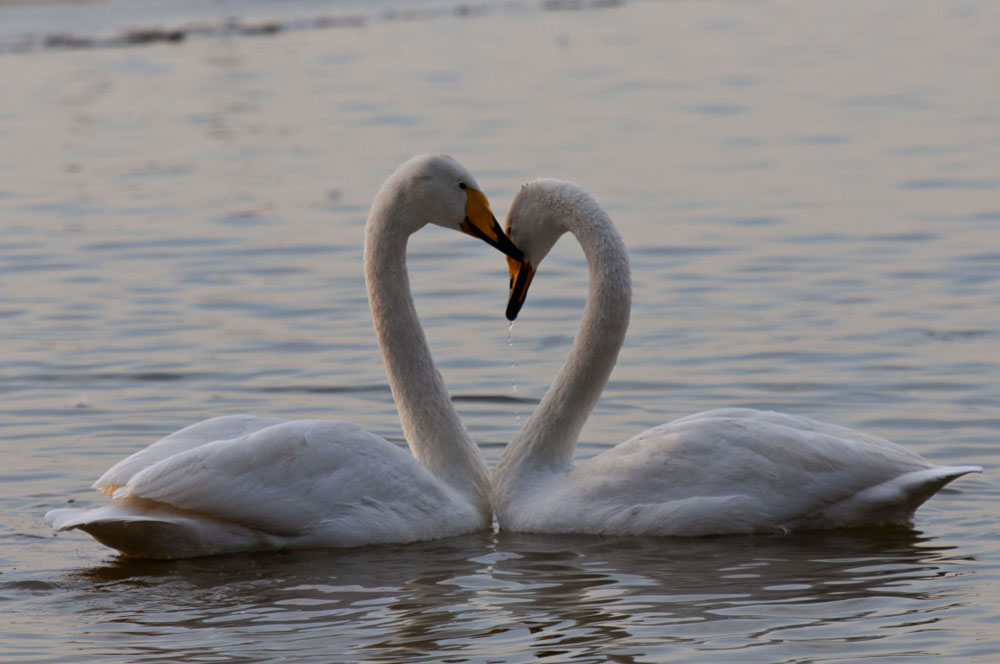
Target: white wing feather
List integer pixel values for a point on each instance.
(190, 437)
(293, 484)
(294, 477)
(732, 471)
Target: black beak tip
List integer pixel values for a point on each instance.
(510, 249)
(505, 244)
(502, 242)
(513, 309)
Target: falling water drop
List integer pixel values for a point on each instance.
(513, 367)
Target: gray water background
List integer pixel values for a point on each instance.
(810, 194)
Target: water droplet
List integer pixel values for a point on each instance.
(513, 367)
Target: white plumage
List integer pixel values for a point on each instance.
(718, 472)
(246, 483)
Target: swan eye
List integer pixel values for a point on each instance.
(461, 185)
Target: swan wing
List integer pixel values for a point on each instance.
(742, 471)
(298, 476)
(190, 437)
(295, 484)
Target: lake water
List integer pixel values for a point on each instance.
(811, 197)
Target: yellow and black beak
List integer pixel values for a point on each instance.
(521, 274)
(480, 222)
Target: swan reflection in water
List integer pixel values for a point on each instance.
(532, 593)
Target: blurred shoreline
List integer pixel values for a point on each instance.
(27, 27)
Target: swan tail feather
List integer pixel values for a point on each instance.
(161, 533)
(892, 502)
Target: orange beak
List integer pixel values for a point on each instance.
(480, 222)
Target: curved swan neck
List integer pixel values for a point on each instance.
(549, 437)
(433, 430)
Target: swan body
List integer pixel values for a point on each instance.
(244, 483)
(718, 472)
(248, 483)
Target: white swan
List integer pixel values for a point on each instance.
(247, 483)
(717, 472)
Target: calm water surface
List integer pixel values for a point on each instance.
(811, 198)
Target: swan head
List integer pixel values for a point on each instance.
(536, 220)
(437, 189)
